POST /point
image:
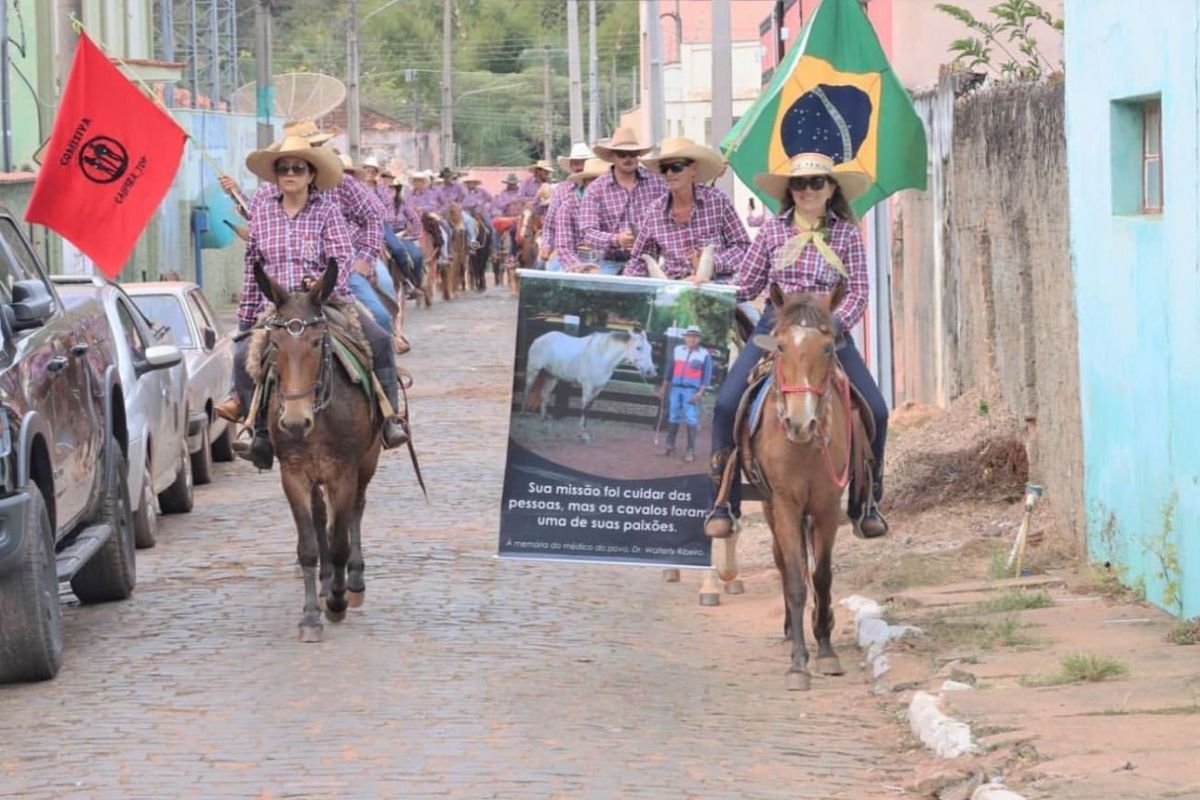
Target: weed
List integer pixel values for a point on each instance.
(1008, 632)
(1168, 711)
(998, 564)
(1080, 668)
(1166, 552)
(1186, 632)
(982, 408)
(1015, 600)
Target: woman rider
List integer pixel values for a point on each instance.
(815, 200)
(292, 236)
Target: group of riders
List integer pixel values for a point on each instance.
(625, 208)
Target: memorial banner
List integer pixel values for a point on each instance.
(614, 381)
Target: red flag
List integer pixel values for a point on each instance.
(111, 158)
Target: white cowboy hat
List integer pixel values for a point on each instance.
(708, 161)
(592, 168)
(853, 182)
(692, 330)
(623, 140)
(370, 161)
(308, 129)
(541, 164)
(326, 164)
(422, 175)
(579, 152)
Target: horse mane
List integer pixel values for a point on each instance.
(454, 214)
(805, 311)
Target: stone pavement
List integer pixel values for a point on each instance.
(462, 676)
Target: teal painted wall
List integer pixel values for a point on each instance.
(1137, 289)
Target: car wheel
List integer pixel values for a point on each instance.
(31, 638)
(145, 519)
(111, 573)
(177, 498)
(222, 446)
(202, 460)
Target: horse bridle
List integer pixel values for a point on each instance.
(822, 391)
(322, 387)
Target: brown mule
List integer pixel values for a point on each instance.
(327, 440)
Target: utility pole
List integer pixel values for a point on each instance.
(593, 76)
(722, 82)
(616, 110)
(265, 88)
(573, 71)
(547, 126)
(657, 102)
(353, 76)
(447, 94)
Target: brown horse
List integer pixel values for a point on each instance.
(431, 249)
(452, 274)
(326, 436)
(802, 451)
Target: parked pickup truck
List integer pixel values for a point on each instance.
(64, 496)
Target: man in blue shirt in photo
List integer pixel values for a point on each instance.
(691, 372)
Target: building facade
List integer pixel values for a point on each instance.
(1134, 193)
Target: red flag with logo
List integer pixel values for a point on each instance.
(111, 158)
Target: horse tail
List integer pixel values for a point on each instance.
(533, 394)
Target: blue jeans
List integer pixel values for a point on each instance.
(407, 254)
(608, 267)
(554, 264)
(681, 407)
(469, 222)
(364, 292)
(738, 377)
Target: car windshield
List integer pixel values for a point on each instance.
(165, 309)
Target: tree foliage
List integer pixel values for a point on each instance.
(1011, 29)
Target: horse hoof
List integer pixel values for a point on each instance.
(310, 634)
(710, 599)
(797, 681)
(355, 599)
(671, 575)
(735, 587)
(829, 665)
(335, 616)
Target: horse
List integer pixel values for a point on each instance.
(478, 260)
(324, 431)
(531, 226)
(588, 361)
(452, 274)
(800, 459)
(431, 252)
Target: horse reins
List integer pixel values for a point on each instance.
(822, 392)
(321, 388)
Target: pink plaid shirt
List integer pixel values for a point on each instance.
(551, 221)
(292, 248)
(507, 203)
(810, 272)
(529, 190)
(713, 221)
(608, 208)
(447, 194)
(363, 210)
(425, 201)
(567, 235)
(406, 222)
(478, 200)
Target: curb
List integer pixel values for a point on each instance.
(874, 633)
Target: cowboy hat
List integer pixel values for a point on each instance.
(308, 129)
(708, 161)
(511, 179)
(623, 140)
(853, 182)
(422, 175)
(469, 178)
(692, 330)
(592, 168)
(448, 172)
(579, 152)
(370, 161)
(323, 161)
(541, 164)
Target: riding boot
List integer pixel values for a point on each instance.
(719, 523)
(691, 450)
(259, 451)
(395, 427)
(868, 524)
(672, 432)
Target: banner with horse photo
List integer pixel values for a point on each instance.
(614, 381)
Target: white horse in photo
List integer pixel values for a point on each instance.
(588, 361)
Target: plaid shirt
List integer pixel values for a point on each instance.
(507, 203)
(447, 194)
(810, 272)
(529, 191)
(292, 248)
(608, 208)
(363, 210)
(478, 200)
(551, 222)
(567, 235)
(425, 201)
(713, 221)
(406, 222)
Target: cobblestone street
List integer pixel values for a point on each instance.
(462, 676)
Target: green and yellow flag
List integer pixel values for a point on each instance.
(836, 94)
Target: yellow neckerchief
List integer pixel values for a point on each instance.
(793, 247)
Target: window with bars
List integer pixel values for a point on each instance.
(1137, 156)
(1152, 161)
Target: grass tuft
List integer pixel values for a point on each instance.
(1187, 632)
(1016, 600)
(1080, 668)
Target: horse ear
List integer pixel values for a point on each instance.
(765, 342)
(777, 296)
(324, 287)
(270, 289)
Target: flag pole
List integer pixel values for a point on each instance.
(78, 26)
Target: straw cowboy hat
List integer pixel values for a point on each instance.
(579, 152)
(326, 164)
(592, 168)
(308, 129)
(692, 330)
(853, 182)
(422, 175)
(708, 161)
(623, 140)
(541, 163)
(469, 178)
(511, 179)
(370, 161)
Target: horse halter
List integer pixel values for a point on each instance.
(322, 387)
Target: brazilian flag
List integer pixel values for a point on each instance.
(836, 94)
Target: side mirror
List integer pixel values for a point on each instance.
(160, 356)
(210, 338)
(32, 304)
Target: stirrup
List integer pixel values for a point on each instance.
(719, 522)
(856, 525)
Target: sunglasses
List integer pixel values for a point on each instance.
(816, 182)
(675, 167)
(300, 168)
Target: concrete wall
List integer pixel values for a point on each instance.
(1137, 279)
(982, 290)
